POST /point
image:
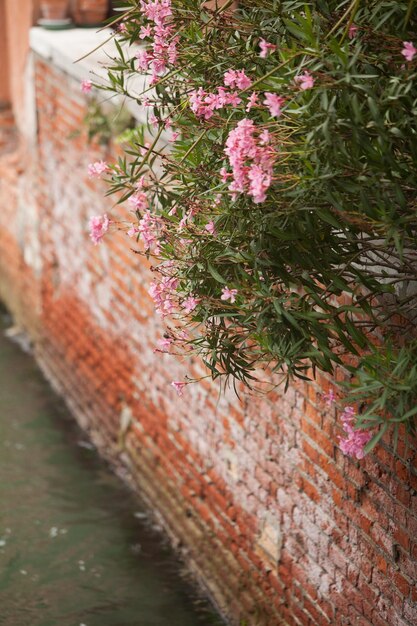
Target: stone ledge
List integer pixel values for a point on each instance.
(64, 48)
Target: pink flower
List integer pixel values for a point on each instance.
(162, 293)
(95, 170)
(153, 120)
(237, 78)
(164, 343)
(259, 182)
(353, 29)
(159, 66)
(203, 103)
(145, 31)
(229, 78)
(228, 294)
(173, 52)
(304, 80)
(174, 137)
(150, 231)
(353, 445)
(252, 101)
(266, 48)
(243, 81)
(264, 137)
(409, 50)
(139, 200)
(190, 304)
(156, 10)
(329, 398)
(99, 225)
(210, 228)
(274, 103)
(198, 104)
(141, 184)
(224, 175)
(122, 28)
(133, 231)
(86, 86)
(144, 58)
(178, 386)
(233, 99)
(143, 151)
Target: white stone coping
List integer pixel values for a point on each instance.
(64, 48)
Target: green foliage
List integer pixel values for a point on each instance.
(325, 268)
(104, 125)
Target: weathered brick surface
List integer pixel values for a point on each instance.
(282, 528)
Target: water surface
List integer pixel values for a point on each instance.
(76, 546)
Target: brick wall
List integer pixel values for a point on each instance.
(278, 525)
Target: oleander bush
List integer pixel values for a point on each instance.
(275, 189)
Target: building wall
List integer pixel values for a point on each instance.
(278, 525)
(16, 19)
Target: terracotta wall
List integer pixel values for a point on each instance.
(16, 18)
(4, 58)
(281, 527)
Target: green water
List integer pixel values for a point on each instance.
(76, 546)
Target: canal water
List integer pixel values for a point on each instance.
(76, 546)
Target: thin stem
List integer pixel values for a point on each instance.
(191, 148)
(147, 155)
(345, 14)
(117, 19)
(409, 12)
(112, 36)
(268, 74)
(350, 22)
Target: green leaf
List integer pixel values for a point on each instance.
(215, 274)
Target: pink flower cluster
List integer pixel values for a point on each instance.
(266, 48)
(237, 78)
(164, 343)
(150, 232)
(190, 303)
(409, 51)
(251, 159)
(138, 200)
(86, 86)
(210, 227)
(164, 45)
(95, 170)
(304, 80)
(203, 103)
(99, 225)
(329, 398)
(163, 294)
(274, 103)
(353, 445)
